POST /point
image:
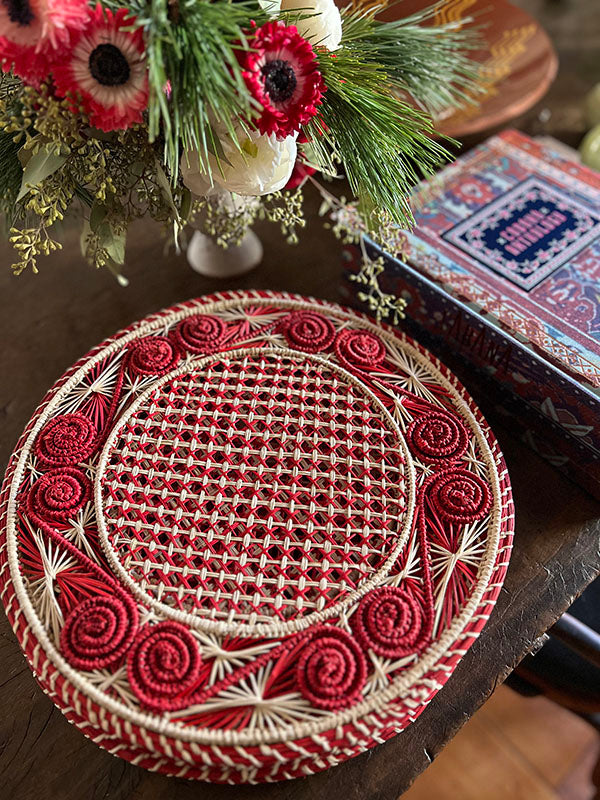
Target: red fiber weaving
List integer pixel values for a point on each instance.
(251, 536)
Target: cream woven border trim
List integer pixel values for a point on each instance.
(398, 687)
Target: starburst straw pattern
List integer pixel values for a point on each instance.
(281, 73)
(106, 72)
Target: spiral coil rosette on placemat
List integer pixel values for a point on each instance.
(251, 537)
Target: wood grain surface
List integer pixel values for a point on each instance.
(49, 320)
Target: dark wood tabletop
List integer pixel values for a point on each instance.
(48, 321)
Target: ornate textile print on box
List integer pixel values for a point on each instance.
(503, 269)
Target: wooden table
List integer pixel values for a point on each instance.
(48, 321)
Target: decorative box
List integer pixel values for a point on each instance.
(251, 537)
(503, 270)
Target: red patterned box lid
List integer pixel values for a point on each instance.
(252, 536)
(513, 229)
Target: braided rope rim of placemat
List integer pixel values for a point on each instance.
(501, 513)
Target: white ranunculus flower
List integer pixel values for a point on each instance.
(264, 165)
(323, 27)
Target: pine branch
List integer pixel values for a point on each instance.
(193, 70)
(384, 144)
(431, 63)
(367, 122)
(11, 170)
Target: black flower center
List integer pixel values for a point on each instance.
(19, 12)
(109, 66)
(280, 80)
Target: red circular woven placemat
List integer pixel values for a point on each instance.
(251, 537)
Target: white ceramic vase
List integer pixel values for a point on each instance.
(207, 258)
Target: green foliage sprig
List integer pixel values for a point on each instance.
(384, 144)
(383, 305)
(193, 70)
(52, 161)
(432, 63)
(114, 178)
(227, 221)
(392, 147)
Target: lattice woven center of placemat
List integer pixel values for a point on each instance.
(255, 488)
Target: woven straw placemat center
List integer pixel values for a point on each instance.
(256, 488)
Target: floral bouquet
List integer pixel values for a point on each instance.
(216, 113)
